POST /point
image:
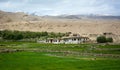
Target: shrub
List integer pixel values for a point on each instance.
(101, 39)
(110, 39)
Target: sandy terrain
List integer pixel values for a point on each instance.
(23, 22)
(65, 25)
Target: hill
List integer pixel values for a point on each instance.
(24, 22)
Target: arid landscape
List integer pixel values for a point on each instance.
(23, 22)
(59, 34)
(87, 25)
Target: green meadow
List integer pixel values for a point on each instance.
(36, 56)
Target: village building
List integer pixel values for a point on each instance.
(71, 39)
(77, 39)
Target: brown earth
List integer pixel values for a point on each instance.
(23, 22)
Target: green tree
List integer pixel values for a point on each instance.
(110, 39)
(44, 34)
(101, 39)
(52, 35)
(18, 35)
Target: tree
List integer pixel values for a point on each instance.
(101, 39)
(44, 34)
(19, 35)
(110, 39)
(52, 35)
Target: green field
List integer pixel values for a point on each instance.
(35, 56)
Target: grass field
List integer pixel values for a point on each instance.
(35, 56)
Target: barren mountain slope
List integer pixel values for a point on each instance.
(57, 25)
(16, 17)
(23, 22)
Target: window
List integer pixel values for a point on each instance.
(74, 39)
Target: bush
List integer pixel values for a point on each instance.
(109, 39)
(101, 39)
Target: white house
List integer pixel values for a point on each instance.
(71, 39)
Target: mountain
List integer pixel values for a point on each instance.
(91, 16)
(83, 24)
(18, 16)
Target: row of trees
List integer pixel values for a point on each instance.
(18, 35)
(103, 39)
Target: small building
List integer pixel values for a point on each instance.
(54, 40)
(75, 40)
(71, 39)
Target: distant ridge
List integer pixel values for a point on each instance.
(84, 17)
(18, 16)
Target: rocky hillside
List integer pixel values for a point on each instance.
(6, 17)
(24, 22)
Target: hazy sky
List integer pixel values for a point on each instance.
(58, 7)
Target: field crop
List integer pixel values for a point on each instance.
(35, 56)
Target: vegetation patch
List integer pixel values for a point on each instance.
(24, 35)
(35, 56)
